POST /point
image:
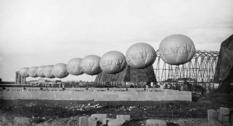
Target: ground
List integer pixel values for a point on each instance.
(172, 111)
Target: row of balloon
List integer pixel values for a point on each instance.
(175, 50)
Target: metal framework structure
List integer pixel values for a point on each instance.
(201, 67)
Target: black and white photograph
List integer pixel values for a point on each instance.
(116, 62)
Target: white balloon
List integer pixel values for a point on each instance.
(24, 72)
(40, 71)
(73, 66)
(48, 71)
(140, 55)
(177, 49)
(91, 65)
(33, 71)
(59, 70)
(113, 62)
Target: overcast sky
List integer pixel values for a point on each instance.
(46, 32)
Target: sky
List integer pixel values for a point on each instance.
(47, 32)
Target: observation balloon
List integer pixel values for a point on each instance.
(176, 49)
(48, 71)
(33, 71)
(59, 70)
(113, 62)
(140, 55)
(73, 66)
(91, 65)
(40, 71)
(24, 72)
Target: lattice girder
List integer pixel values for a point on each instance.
(201, 67)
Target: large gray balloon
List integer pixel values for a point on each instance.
(60, 71)
(91, 65)
(113, 62)
(177, 49)
(73, 66)
(140, 55)
(40, 71)
(24, 72)
(48, 71)
(33, 71)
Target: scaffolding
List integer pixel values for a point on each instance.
(201, 68)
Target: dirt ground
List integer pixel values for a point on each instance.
(180, 112)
